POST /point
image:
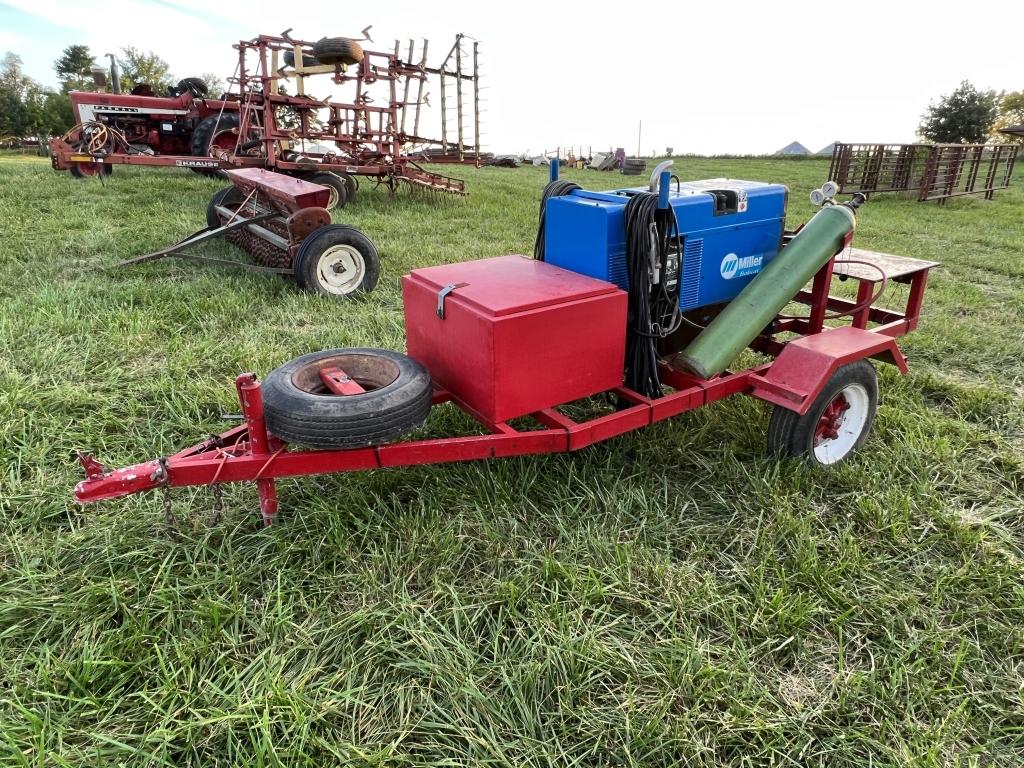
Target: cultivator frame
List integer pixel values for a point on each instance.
(281, 132)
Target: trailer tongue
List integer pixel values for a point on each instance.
(513, 341)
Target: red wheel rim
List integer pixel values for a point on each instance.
(89, 169)
(224, 140)
(831, 420)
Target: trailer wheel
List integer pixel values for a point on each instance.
(836, 424)
(299, 408)
(337, 50)
(337, 261)
(337, 186)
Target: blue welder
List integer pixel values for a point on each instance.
(681, 251)
(729, 230)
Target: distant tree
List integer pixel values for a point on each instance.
(11, 73)
(14, 115)
(54, 115)
(74, 69)
(964, 116)
(138, 67)
(215, 84)
(1011, 112)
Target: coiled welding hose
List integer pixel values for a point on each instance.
(653, 310)
(555, 188)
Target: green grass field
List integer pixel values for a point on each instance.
(672, 597)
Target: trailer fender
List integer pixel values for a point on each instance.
(806, 364)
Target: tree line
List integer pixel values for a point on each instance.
(30, 110)
(972, 116)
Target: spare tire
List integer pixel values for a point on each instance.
(300, 409)
(337, 50)
(194, 85)
(307, 60)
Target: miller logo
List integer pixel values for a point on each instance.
(734, 266)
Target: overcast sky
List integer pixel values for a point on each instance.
(707, 77)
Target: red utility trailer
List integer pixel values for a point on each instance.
(817, 376)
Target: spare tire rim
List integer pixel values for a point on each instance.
(371, 372)
(841, 424)
(341, 269)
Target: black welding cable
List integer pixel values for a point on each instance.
(555, 188)
(653, 310)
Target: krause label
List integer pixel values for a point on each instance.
(740, 266)
(197, 163)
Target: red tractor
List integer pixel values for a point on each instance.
(184, 122)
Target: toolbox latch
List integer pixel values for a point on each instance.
(443, 293)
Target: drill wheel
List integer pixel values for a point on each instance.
(337, 261)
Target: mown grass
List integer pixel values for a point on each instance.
(674, 597)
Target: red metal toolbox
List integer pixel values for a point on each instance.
(511, 335)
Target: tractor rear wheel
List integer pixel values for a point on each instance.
(337, 186)
(836, 424)
(338, 50)
(299, 408)
(216, 131)
(337, 261)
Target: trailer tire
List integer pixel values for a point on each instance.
(337, 185)
(337, 50)
(300, 409)
(337, 261)
(205, 133)
(836, 424)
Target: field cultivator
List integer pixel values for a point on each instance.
(271, 119)
(633, 306)
(283, 224)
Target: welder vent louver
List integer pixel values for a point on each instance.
(693, 253)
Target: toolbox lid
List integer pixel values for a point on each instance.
(504, 285)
